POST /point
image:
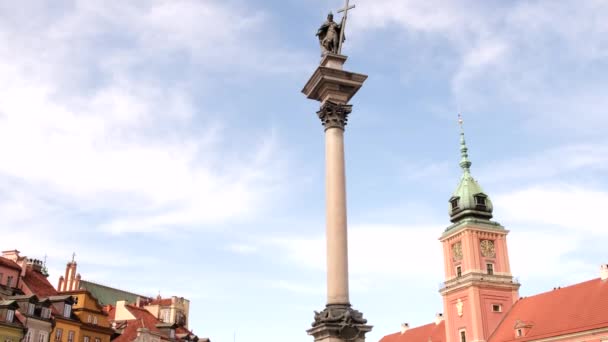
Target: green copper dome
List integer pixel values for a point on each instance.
(468, 200)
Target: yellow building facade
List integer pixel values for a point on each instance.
(95, 326)
(10, 328)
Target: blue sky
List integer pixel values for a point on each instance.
(167, 143)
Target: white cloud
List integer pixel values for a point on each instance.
(507, 53)
(80, 127)
(574, 208)
(374, 249)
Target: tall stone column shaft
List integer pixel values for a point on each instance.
(333, 88)
(337, 249)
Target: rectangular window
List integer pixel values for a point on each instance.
(1, 275)
(28, 337)
(458, 271)
(490, 268)
(454, 203)
(10, 314)
(30, 309)
(463, 336)
(87, 339)
(45, 313)
(67, 311)
(496, 308)
(42, 336)
(71, 336)
(9, 281)
(89, 319)
(518, 332)
(95, 320)
(58, 334)
(97, 339)
(480, 200)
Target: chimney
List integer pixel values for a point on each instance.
(438, 318)
(11, 255)
(604, 271)
(404, 327)
(35, 265)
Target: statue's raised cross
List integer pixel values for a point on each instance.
(343, 25)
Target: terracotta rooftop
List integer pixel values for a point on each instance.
(426, 333)
(566, 310)
(161, 301)
(143, 319)
(9, 263)
(38, 284)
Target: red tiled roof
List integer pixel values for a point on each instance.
(9, 263)
(566, 310)
(162, 302)
(143, 319)
(427, 333)
(38, 284)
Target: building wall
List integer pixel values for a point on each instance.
(66, 326)
(5, 273)
(10, 333)
(93, 335)
(36, 327)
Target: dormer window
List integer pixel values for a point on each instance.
(67, 311)
(10, 314)
(519, 333)
(30, 309)
(454, 203)
(480, 200)
(45, 313)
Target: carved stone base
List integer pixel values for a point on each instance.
(339, 322)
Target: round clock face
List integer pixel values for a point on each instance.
(457, 250)
(487, 248)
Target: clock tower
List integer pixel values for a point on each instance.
(479, 289)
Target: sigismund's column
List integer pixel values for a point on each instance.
(333, 87)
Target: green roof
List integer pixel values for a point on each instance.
(108, 295)
(468, 200)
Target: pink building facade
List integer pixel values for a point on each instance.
(481, 300)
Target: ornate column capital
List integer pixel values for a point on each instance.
(334, 115)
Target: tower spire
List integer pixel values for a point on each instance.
(465, 163)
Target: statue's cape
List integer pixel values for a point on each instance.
(322, 31)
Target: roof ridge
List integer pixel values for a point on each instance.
(113, 288)
(567, 287)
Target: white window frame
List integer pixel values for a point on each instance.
(86, 339)
(71, 334)
(58, 334)
(10, 315)
(95, 320)
(30, 308)
(67, 311)
(42, 336)
(45, 313)
(89, 319)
